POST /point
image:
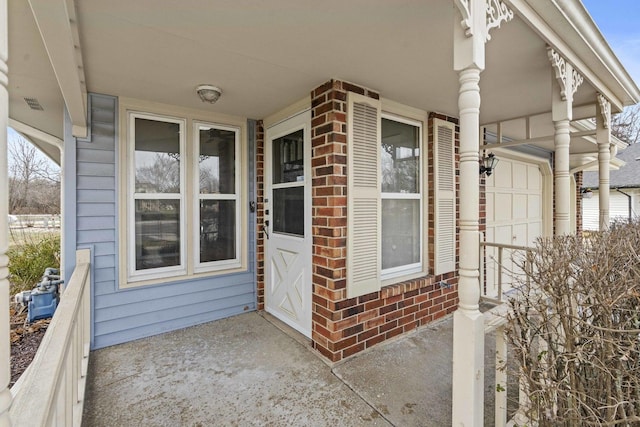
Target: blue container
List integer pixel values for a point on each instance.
(43, 303)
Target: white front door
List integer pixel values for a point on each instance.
(288, 240)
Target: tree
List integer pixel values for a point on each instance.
(626, 125)
(34, 181)
(159, 173)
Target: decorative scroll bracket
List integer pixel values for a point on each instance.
(577, 80)
(605, 110)
(497, 13)
(567, 76)
(463, 7)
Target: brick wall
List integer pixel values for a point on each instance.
(341, 326)
(578, 177)
(553, 201)
(482, 222)
(260, 213)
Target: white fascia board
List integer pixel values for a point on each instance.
(57, 23)
(527, 11)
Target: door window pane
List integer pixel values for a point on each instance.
(157, 156)
(217, 161)
(217, 230)
(400, 154)
(288, 158)
(157, 229)
(288, 210)
(400, 232)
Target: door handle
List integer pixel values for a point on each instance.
(265, 230)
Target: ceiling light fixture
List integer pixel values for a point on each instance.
(209, 93)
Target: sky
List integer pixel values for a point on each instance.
(619, 22)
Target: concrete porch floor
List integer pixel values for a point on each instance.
(250, 370)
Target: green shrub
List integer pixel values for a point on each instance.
(29, 257)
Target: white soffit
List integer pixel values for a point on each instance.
(266, 56)
(31, 74)
(57, 22)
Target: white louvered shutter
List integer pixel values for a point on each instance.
(445, 197)
(363, 196)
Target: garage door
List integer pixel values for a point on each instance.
(514, 217)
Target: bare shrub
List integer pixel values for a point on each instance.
(575, 329)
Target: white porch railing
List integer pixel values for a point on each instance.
(497, 264)
(495, 320)
(51, 391)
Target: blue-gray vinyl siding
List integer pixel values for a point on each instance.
(121, 315)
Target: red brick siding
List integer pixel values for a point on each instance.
(260, 213)
(578, 177)
(553, 203)
(341, 326)
(482, 220)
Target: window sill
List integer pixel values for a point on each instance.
(402, 285)
(397, 280)
(129, 283)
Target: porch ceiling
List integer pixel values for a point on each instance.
(266, 56)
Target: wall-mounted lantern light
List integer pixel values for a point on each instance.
(488, 164)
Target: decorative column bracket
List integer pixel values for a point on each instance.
(496, 12)
(463, 7)
(605, 110)
(567, 76)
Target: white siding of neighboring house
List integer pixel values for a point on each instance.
(618, 208)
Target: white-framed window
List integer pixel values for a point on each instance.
(401, 193)
(184, 190)
(386, 194)
(217, 183)
(156, 193)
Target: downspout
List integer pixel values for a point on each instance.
(630, 202)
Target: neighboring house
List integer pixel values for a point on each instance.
(624, 184)
(335, 182)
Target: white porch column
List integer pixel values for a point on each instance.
(468, 322)
(562, 179)
(470, 33)
(5, 345)
(603, 137)
(564, 85)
